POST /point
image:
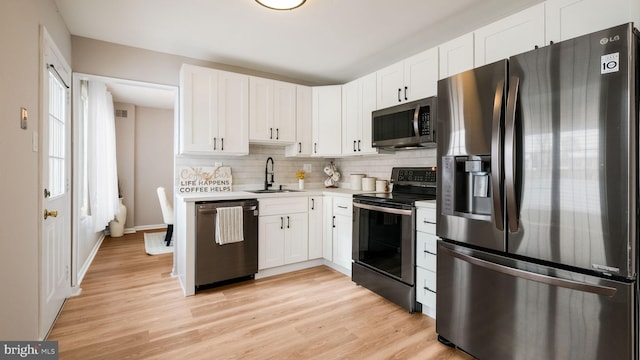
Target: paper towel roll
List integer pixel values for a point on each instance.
(368, 184)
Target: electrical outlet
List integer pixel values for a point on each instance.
(307, 168)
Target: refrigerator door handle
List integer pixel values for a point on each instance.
(496, 156)
(510, 155)
(544, 279)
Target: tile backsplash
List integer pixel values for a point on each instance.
(248, 171)
(379, 166)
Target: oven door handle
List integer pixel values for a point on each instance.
(383, 209)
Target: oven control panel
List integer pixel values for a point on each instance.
(421, 176)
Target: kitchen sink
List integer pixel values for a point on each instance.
(273, 191)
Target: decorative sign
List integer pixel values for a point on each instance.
(204, 179)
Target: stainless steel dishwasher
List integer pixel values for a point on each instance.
(220, 263)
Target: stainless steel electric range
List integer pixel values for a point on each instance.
(384, 229)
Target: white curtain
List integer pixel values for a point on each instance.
(101, 151)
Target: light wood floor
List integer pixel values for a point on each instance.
(131, 308)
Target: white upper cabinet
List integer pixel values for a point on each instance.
(509, 36)
(456, 55)
(567, 19)
(304, 109)
(327, 120)
(272, 111)
(412, 79)
(358, 101)
(421, 75)
(390, 84)
(214, 112)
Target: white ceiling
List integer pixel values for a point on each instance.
(141, 94)
(322, 42)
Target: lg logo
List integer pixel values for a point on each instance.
(605, 41)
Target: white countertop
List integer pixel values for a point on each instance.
(426, 203)
(234, 195)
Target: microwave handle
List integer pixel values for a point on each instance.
(416, 129)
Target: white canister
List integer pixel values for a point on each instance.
(368, 184)
(381, 186)
(356, 181)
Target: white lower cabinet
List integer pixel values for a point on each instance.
(282, 232)
(315, 227)
(342, 228)
(426, 245)
(327, 228)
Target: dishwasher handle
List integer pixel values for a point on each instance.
(204, 209)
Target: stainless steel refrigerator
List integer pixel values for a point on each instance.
(538, 203)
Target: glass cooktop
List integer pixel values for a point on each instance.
(410, 184)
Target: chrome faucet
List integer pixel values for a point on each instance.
(267, 183)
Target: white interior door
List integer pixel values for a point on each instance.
(55, 247)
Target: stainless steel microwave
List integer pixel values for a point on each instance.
(405, 126)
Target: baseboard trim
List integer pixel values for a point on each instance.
(337, 267)
(288, 268)
(85, 267)
(150, 227)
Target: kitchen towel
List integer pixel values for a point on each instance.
(229, 226)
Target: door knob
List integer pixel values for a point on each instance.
(52, 213)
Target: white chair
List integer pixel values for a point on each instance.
(167, 213)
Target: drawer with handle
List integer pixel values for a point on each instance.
(426, 251)
(426, 220)
(426, 287)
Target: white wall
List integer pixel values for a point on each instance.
(112, 60)
(154, 163)
(19, 238)
(125, 155)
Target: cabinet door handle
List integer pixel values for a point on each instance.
(315, 148)
(270, 133)
(405, 93)
(359, 146)
(281, 223)
(214, 143)
(427, 222)
(399, 99)
(313, 204)
(299, 147)
(342, 207)
(277, 134)
(222, 144)
(333, 222)
(429, 252)
(426, 288)
(288, 222)
(354, 146)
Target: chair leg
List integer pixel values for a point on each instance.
(167, 238)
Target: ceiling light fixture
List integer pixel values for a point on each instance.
(281, 4)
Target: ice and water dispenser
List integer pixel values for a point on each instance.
(466, 186)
